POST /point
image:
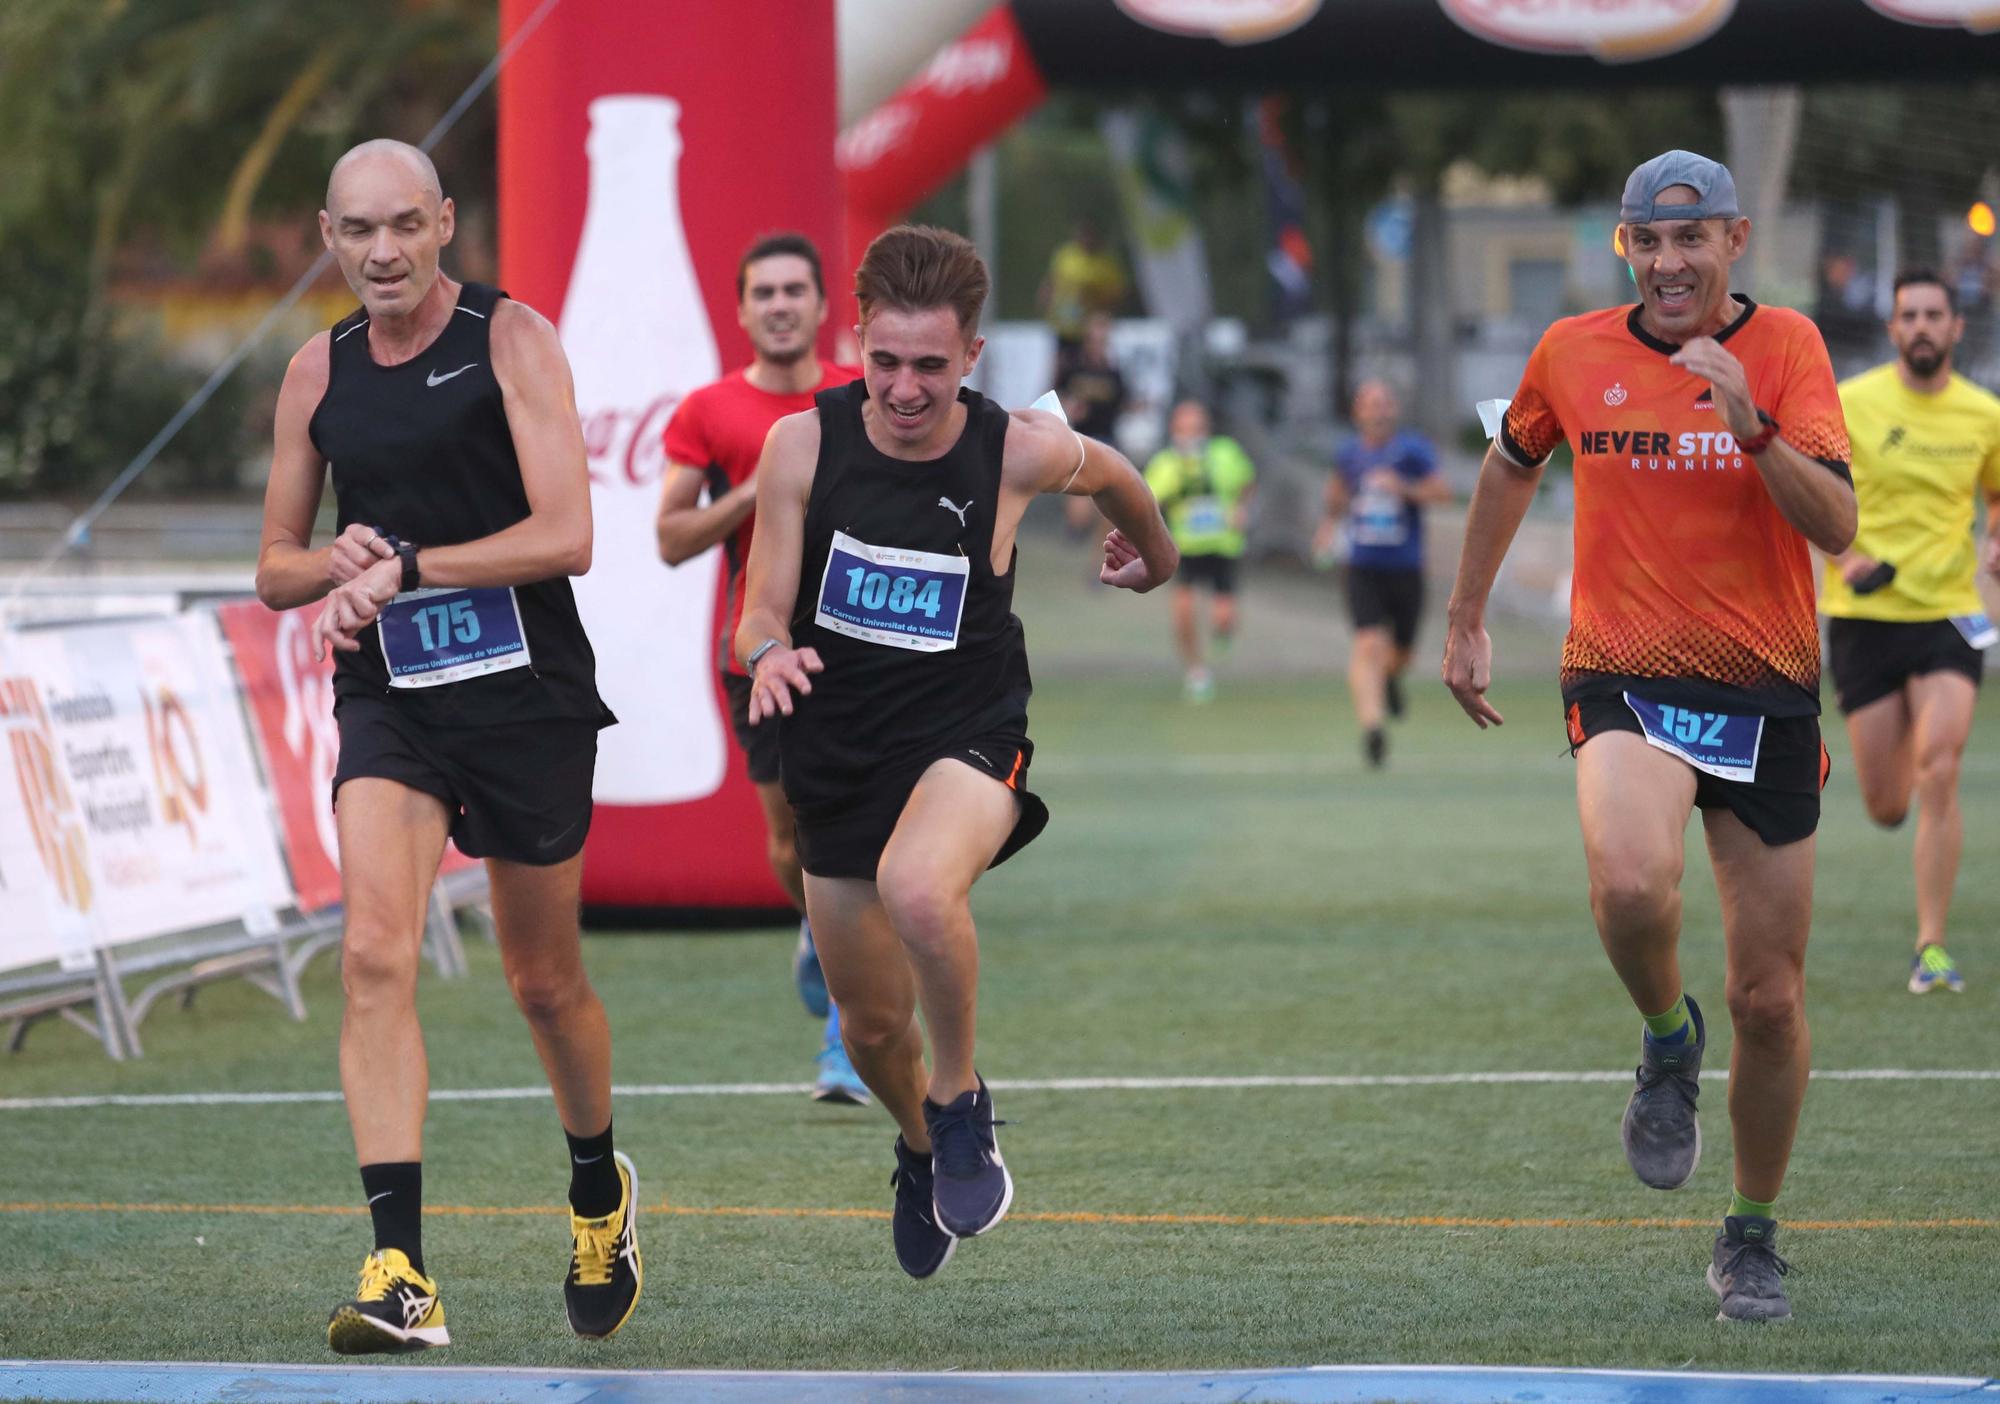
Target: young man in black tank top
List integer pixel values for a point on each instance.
(446, 415)
(879, 634)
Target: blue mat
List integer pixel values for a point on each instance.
(116, 1382)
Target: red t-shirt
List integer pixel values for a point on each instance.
(1686, 573)
(720, 429)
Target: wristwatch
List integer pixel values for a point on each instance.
(1761, 440)
(757, 653)
(406, 552)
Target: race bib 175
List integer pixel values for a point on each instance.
(892, 596)
(432, 637)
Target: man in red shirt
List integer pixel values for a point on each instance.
(1710, 449)
(713, 443)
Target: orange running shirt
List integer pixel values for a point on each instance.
(1687, 579)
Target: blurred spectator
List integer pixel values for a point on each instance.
(1084, 277)
(1094, 395)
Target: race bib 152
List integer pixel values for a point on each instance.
(1717, 742)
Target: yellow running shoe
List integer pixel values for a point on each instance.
(605, 1273)
(397, 1309)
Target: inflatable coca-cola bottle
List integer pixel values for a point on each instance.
(638, 340)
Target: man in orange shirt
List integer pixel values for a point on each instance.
(1709, 451)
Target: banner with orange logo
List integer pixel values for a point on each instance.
(45, 884)
(129, 767)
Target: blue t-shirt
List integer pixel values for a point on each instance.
(1385, 529)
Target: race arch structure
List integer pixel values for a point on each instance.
(638, 158)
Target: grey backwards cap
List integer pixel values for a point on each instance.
(1710, 180)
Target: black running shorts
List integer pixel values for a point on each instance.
(1872, 658)
(1386, 599)
(846, 840)
(519, 791)
(759, 743)
(1218, 573)
(1780, 806)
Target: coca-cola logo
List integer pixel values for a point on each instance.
(627, 448)
(1612, 31)
(1979, 16)
(1231, 21)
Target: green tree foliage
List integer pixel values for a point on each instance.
(156, 129)
(1930, 147)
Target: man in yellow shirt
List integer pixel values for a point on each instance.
(1907, 627)
(1084, 278)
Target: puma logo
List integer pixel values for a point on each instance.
(955, 509)
(434, 379)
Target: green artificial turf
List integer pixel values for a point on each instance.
(1223, 891)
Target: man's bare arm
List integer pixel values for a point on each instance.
(1046, 455)
(289, 572)
(771, 588)
(1818, 503)
(685, 528)
(1499, 503)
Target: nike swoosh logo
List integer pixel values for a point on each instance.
(586, 1159)
(553, 839)
(435, 379)
(383, 1195)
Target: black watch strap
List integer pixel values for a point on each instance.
(406, 552)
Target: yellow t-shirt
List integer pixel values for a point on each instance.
(1081, 282)
(1920, 463)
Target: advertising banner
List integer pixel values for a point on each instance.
(46, 889)
(637, 161)
(129, 758)
(290, 701)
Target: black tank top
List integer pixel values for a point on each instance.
(903, 551)
(422, 451)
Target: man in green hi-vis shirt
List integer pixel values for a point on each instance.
(1204, 483)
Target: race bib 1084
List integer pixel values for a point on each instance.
(892, 596)
(433, 637)
(1716, 742)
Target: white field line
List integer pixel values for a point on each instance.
(1048, 1084)
(1266, 765)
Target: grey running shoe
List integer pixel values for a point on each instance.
(1746, 1269)
(1662, 1137)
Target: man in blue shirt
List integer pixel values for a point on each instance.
(1383, 479)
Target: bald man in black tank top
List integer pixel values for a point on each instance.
(879, 634)
(466, 698)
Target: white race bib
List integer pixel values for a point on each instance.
(892, 596)
(433, 637)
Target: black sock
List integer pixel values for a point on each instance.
(395, 1190)
(594, 1186)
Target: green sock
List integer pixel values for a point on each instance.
(1739, 1207)
(1674, 1026)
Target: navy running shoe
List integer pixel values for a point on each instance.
(1662, 1137)
(921, 1246)
(973, 1188)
